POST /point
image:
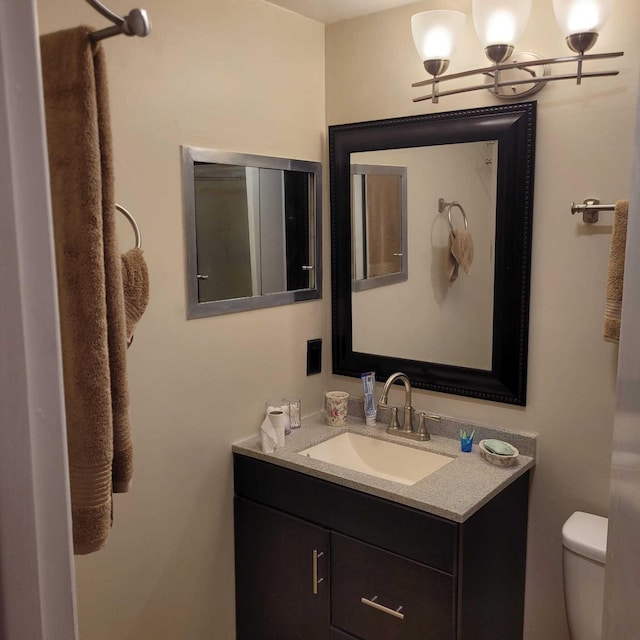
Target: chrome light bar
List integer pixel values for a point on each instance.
(538, 81)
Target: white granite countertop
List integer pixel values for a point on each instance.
(455, 491)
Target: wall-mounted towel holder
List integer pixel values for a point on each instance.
(442, 205)
(136, 23)
(134, 224)
(590, 209)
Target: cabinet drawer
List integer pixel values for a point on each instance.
(378, 595)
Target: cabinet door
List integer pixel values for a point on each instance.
(382, 596)
(282, 586)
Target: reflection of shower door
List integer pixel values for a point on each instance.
(284, 230)
(383, 208)
(378, 225)
(252, 226)
(297, 204)
(222, 229)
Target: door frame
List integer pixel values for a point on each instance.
(621, 617)
(37, 590)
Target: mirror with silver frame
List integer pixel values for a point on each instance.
(379, 224)
(253, 231)
(472, 170)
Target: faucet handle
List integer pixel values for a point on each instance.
(422, 426)
(394, 424)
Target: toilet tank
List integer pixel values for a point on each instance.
(584, 538)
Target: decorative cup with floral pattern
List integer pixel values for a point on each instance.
(335, 404)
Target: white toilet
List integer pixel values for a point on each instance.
(584, 541)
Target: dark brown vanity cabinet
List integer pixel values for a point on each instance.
(317, 560)
(281, 575)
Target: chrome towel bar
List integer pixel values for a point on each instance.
(590, 209)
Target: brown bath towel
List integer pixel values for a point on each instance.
(615, 278)
(90, 293)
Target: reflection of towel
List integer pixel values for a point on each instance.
(135, 283)
(452, 263)
(460, 253)
(615, 278)
(89, 279)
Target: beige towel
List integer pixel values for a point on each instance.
(135, 282)
(460, 253)
(89, 279)
(615, 278)
(452, 263)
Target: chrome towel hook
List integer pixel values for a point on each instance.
(136, 23)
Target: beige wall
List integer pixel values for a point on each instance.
(246, 76)
(584, 139)
(240, 75)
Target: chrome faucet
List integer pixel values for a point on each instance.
(406, 431)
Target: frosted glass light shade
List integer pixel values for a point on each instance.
(500, 21)
(437, 33)
(582, 16)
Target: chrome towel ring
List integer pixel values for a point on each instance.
(442, 205)
(134, 224)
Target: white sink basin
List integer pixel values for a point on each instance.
(379, 458)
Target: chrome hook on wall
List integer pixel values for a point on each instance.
(135, 23)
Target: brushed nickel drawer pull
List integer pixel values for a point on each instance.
(379, 607)
(316, 581)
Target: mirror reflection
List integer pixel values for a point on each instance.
(459, 322)
(252, 231)
(379, 225)
(451, 318)
(252, 226)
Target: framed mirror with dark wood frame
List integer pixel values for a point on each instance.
(465, 335)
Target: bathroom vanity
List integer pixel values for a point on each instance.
(326, 553)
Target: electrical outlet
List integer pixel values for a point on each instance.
(314, 356)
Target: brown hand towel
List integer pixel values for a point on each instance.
(89, 279)
(135, 282)
(615, 278)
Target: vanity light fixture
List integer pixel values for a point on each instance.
(499, 23)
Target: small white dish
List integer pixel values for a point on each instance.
(497, 459)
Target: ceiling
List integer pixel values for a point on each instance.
(329, 11)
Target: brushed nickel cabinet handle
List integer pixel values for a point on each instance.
(316, 581)
(372, 603)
